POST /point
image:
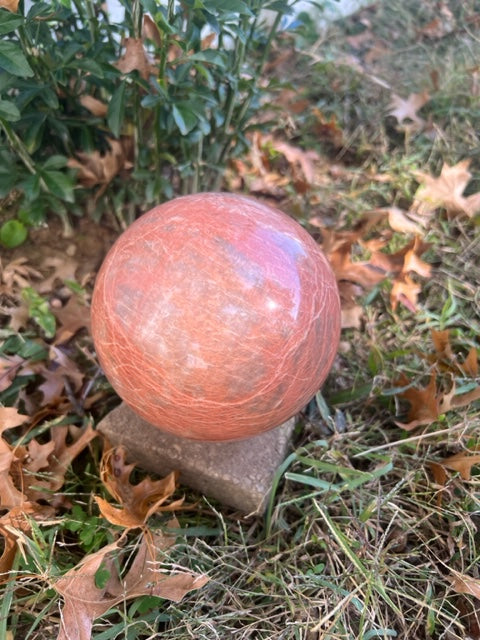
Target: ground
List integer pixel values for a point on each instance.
(373, 529)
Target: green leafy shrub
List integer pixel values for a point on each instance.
(133, 113)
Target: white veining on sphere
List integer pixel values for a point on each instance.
(214, 336)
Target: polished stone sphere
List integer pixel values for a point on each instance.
(215, 317)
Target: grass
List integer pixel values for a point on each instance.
(359, 541)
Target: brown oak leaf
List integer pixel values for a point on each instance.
(84, 601)
(406, 110)
(446, 191)
(138, 502)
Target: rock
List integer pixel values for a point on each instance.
(238, 473)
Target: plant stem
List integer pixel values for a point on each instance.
(165, 45)
(198, 164)
(239, 119)
(19, 148)
(137, 16)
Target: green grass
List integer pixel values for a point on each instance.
(358, 541)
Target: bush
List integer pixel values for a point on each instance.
(130, 114)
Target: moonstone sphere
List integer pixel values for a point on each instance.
(215, 317)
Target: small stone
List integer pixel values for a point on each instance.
(238, 473)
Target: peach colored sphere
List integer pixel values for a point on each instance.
(215, 317)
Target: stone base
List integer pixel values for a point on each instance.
(239, 473)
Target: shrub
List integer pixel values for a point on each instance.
(130, 114)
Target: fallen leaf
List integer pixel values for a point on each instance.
(461, 462)
(362, 272)
(10, 367)
(465, 584)
(429, 403)
(412, 262)
(295, 156)
(424, 403)
(446, 360)
(64, 454)
(442, 25)
(19, 491)
(327, 129)
(403, 110)
(400, 221)
(208, 41)
(62, 267)
(470, 365)
(16, 275)
(351, 312)
(451, 401)
(73, 317)
(18, 314)
(405, 291)
(138, 502)
(14, 522)
(84, 601)
(446, 191)
(10, 418)
(55, 373)
(351, 316)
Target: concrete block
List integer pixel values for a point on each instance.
(239, 473)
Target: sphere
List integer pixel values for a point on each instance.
(215, 317)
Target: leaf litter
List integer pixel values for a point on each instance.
(404, 269)
(84, 601)
(23, 496)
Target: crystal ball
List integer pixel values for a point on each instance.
(215, 317)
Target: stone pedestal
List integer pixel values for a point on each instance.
(238, 473)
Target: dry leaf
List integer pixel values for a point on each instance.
(405, 291)
(424, 403)
(352, 313)
(469, 366)
(447, 191)
(450, 401)
(461, 462)
(10, 5)
(208, 41)
(445, 359)
(363, 273)
(59, 368)
(16, 275)
(64, 454)
(18, 315)
(138, 502)
(351, 316)
(10, 418)
(327, 129)
(339, 246)
(400, 221)
(150, 30)
(97, 107)
(99, 169)
(52, 459)
(465, 584)
(428, 404)
(412, 262)
(73, 316)
(407, 109)
(10, 368)
(62, 267)
(85, 601)
(443, 24)
(134, 58)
